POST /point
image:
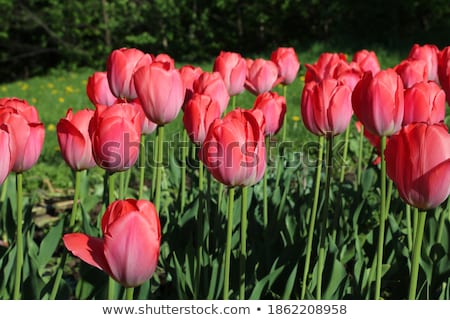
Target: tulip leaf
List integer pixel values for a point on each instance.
(49, 243)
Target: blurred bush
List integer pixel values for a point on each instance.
(36, 35)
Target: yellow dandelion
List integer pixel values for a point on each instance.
(24, 87)
(51, 127)
(33, 100)
(50, 85)
(295, 118)
(69, 89)
(302, 78)
(84, 82)
(4, 89)
(54, 92)
(61, 99)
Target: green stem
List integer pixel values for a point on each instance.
(73, 216)
(243, 254)
(312, 220)
(382, 222)
(111, 289)
(220, 197)
(159, 168)
(129, 293)
(442, 219)
(416, 255)
(111, 198)
(155, 164)
(265, 197)
(324, 216)
(4, 188)
(408, 226)
(226, 284)
(345, 153)
(122, 184)
(360, 152)
(200, 228)
(142, 166)
(415, 221)
(389, 196)
(184, 150)
(19, 236)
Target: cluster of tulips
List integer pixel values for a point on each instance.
(400, 110)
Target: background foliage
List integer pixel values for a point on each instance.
(36, 35)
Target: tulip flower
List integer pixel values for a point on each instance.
(98, 90)
(161, 92)
(367, 61)
(198, 115)
(8, 152)
(326, 107)
(273, 107)
(378, 102)
(115, 134)
(428, 53)
(120, 67)
(348, 73)
(324, 67)
(234, 150)
(288, 64)
(233, 69)
(418, 161)
(262, 76)
(444, 71)
(74, 141)
(189, 74)
(129, 249)
(424, 102)
(412, 71)
(213, 85)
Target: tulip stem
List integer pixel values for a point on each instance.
(408, 226)
(312, 220)
(111, 187)
(226, 284)
(141, 166)
(184, 151)
(159, 164)
(243, 255)
(389, 196)
(19, 236)
(265, 198)
(129, 293)
(345, 153)
(73, 216)
(416, 255)
(382, 222)
(200, 228)
(360, 152)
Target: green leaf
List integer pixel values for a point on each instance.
(50, 243)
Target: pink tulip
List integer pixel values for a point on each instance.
(273, 107)
(120, 66)
(444, 71)
(418, 162)
(26, 129)
(262, 76)
(348, 73)
(324, 67)
(233, 69)
(367, 61)
(412, 71)
(98, 90)
(424, 102)
(189, 74)
(161, 92)
(428, 53)
(129, 249)
(165, 58)
(378, 102)
(74, 140)
(287, 62)
(326, 107)
(198, 115)
(115, 133)
(234, 150)
(212, 84)
(8, 152)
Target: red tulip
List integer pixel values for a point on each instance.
(212, 84)
(424, 102)
(120, 66)
(273, 107)
(234, 150)
(98, 90)
(115, 134)
(189, 74)
(324, 67)
(444, 71)
(262, 76)
(161, 92)
(418, 162)
(412, 71)
(165, 58)
(287, 62)
(367, 61)
(74, 140)
(26, 129)
(348, 73)
(428, 53)
(8, 152)
(129, 249)
(378, 102)
(233, 69)
(198, 115)
(326, 107)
